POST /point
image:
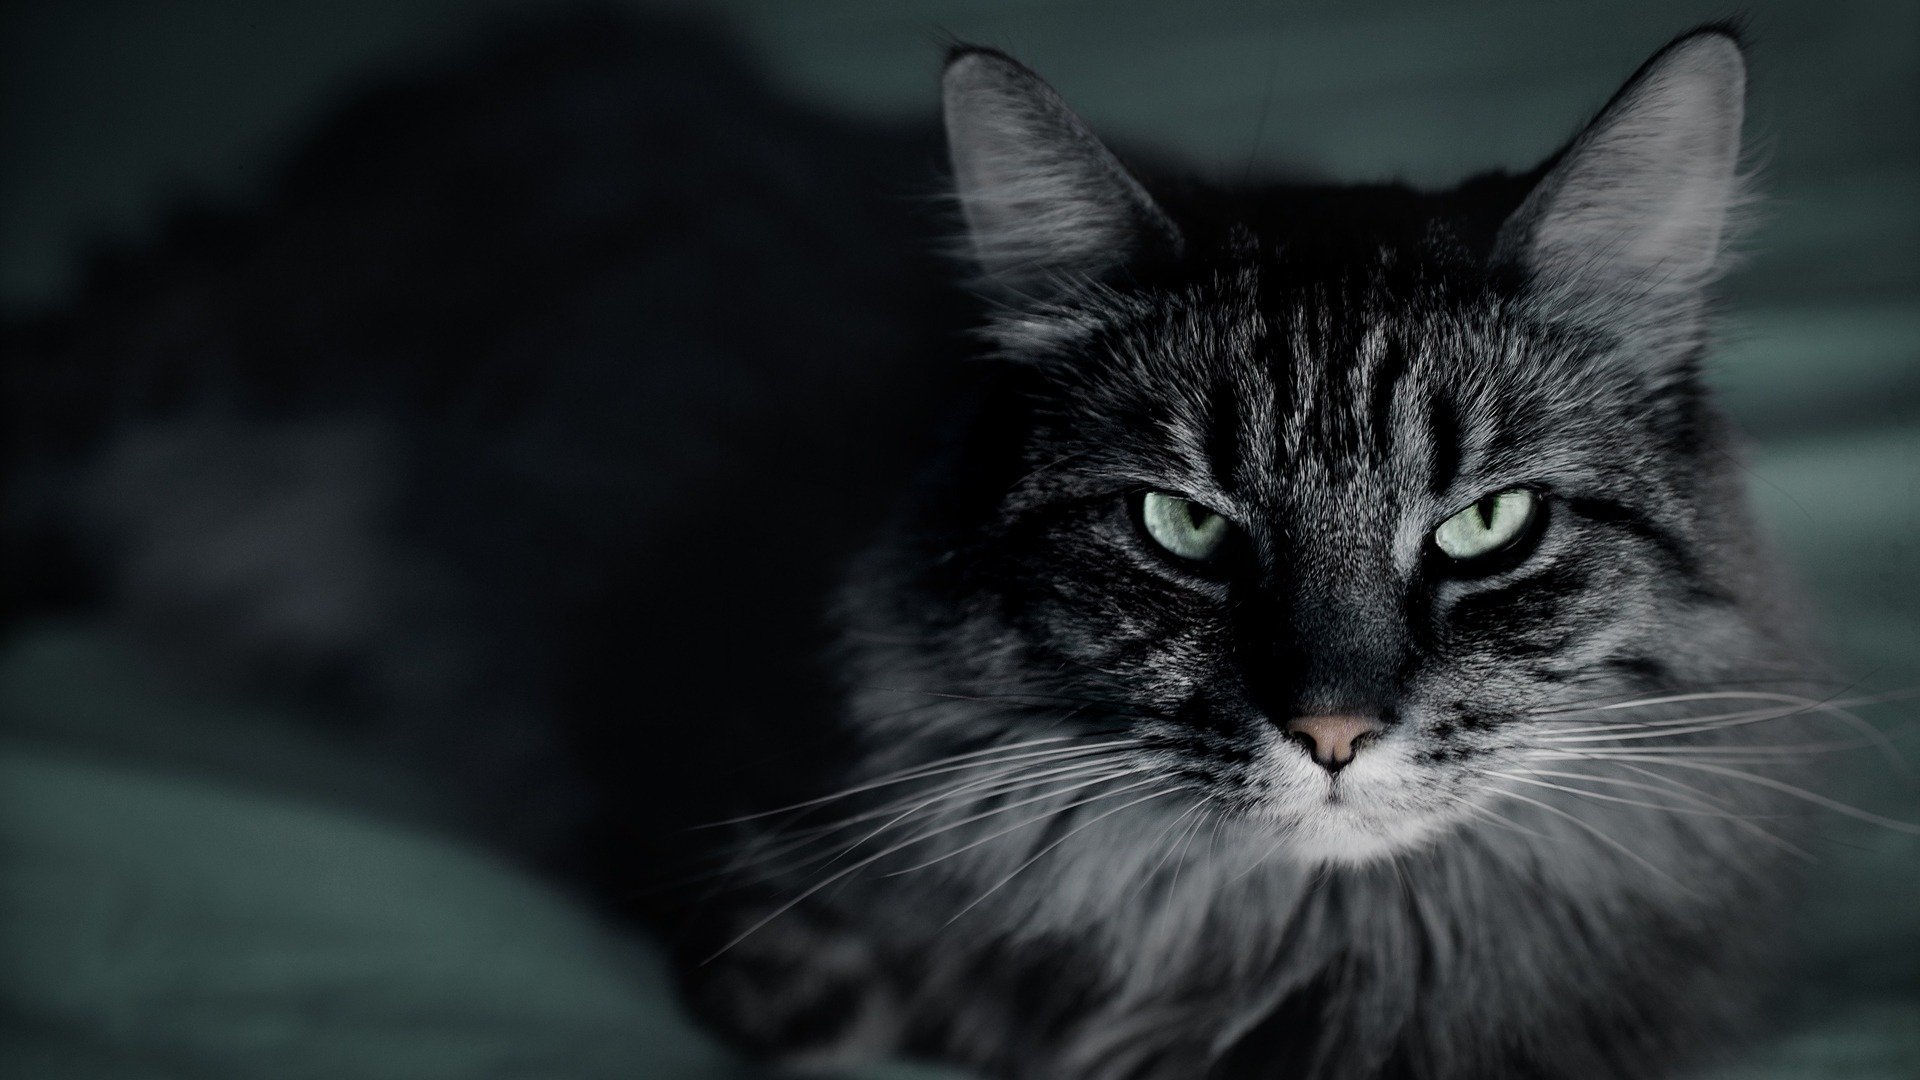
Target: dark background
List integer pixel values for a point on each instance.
(172, 901)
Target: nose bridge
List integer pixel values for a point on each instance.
(1344, 622)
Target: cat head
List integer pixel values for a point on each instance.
(1317, 498)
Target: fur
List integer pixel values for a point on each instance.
(1335, 371)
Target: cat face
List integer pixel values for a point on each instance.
(1320, 500)
(1332, 548)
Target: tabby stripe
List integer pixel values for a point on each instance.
(1387, 375)
(1525, 617)
(1223, 433)
(1608, 512)
(1443, 429)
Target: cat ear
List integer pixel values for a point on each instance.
(1042, 198)
(1636, 207)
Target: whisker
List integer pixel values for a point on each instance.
(1696, 797)
(1078, 783)
(1254, 866)
(1005, 782)
(1504, 821)
(846, 871)
(1661, 778)
(1758, 752)
(1213, 841)
(1036, 698)
(1833, 707)
(1599, 835)
(1603, 797)
(1742, 821)
(1681, 699)
(1017, 826)
(1009, 774)
(920, 772)
(1795, 791)
(1762, 677)
(1148, 877)
(998, 885)
(1708, 722)
(1180, 863)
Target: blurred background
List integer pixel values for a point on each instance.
(174, 914)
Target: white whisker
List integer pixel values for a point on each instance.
(1794, 791)
(1681, 699)
(997, 782)
(847, 871)
(1148, 877)
(1005, 783)
(1598, 835)
(1181, 862)
(1603, 797)
(1085, 777)
(1503, 821)
(1017, 826)
(920, 772)
(1834, 707)
(998, 885)
(1742, 821)
(1756, 752)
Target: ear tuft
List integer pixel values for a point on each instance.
(1043, 199)
(1637, 206)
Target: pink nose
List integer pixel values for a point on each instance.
(1332, 739)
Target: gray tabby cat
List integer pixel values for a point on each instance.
(1336, 647)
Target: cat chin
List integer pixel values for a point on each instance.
(1351, 832)
(1358, 843)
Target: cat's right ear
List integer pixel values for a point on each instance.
(1636, 210)
(1044, 201)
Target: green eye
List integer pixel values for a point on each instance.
(1183, 527)
(1493, 523)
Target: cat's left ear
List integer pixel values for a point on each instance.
(1636, 209)
(1044, 200)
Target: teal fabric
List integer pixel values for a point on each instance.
(201, 924)
(208, 931)
(189, 891)
(190, 888)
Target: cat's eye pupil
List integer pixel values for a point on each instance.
(1494, 523)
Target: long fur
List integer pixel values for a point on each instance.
(1504, 884)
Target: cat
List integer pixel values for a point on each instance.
(1326, 652)
(1271, 610)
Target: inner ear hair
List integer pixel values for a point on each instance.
(1043, 199)
(1637, 207)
